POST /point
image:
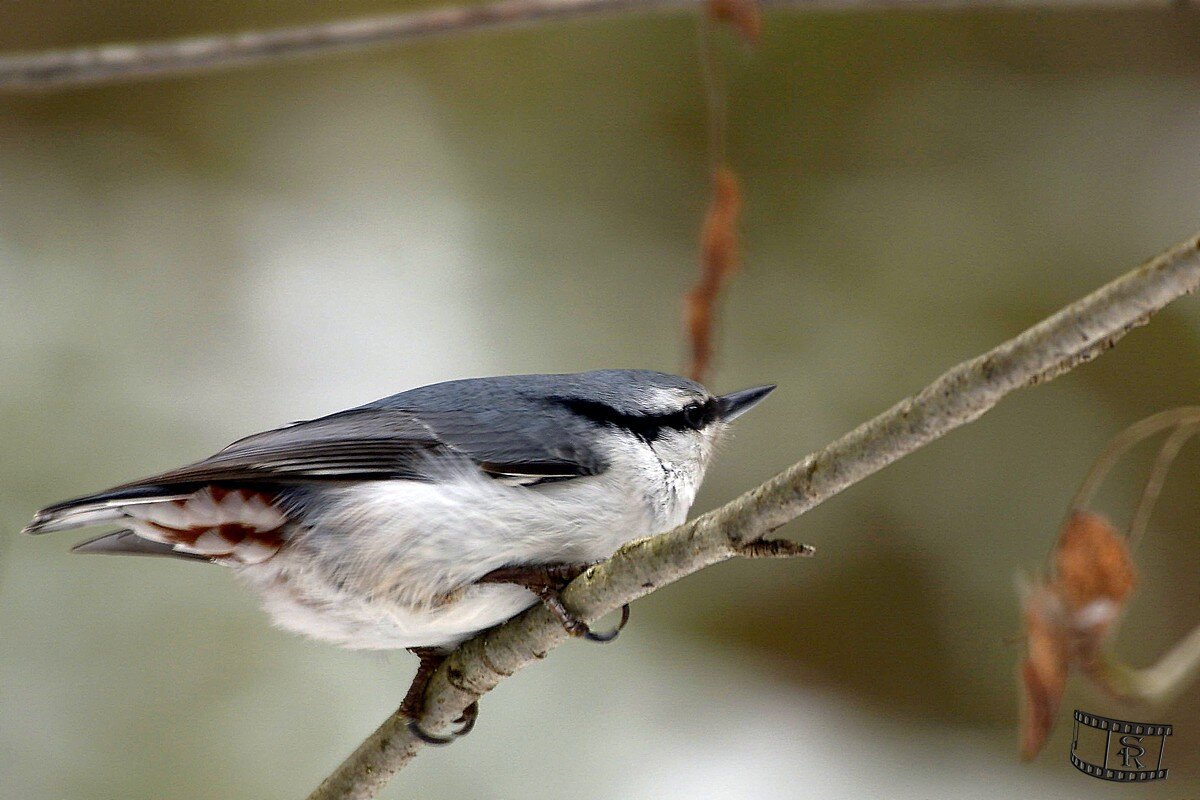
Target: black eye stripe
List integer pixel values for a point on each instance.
(648, 426)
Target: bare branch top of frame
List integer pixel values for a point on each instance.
(108, 63)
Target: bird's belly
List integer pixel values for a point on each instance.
(326, 613)
(392, 564)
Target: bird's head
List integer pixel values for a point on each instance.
(678, 418)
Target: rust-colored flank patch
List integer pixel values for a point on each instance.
(235, 526)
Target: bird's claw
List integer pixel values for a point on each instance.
(467, 720)
(415, 729)
(575, 626)
(466, 724)
(547, 582)
(611, 635)
(414, 701)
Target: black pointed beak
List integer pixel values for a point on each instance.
(732, 406)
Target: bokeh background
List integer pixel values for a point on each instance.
(186, 261)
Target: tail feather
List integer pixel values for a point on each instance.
(127, 542)
(231, 526)
(66, 520)
(95, 508)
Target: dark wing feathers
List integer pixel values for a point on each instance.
(349, 445)
(374, 443)
(528, 441)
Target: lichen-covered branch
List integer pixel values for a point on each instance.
(1075, 334)
(107, 63)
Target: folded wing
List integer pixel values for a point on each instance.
(226, 506)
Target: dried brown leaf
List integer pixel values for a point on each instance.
(1043, 672)
(1069, 615)
(718, 261)
(1092, 562)
(744, 16)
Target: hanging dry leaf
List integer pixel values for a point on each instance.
(1043, 673)
(1068, 616)
(744, 16)
(718, 261)
(1093, 569)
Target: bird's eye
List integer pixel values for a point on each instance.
(693, 416)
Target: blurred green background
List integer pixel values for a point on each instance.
(186, 261)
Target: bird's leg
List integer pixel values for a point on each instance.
(547, 582)
(414, 701)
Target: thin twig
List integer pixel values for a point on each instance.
(712, 82)
(1160, 682)
(958, 397)
(57, 69)
(1157, 477)
(1122, 443)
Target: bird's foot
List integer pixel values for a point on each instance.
(547, 581)
(466, 723)
(413, 705)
